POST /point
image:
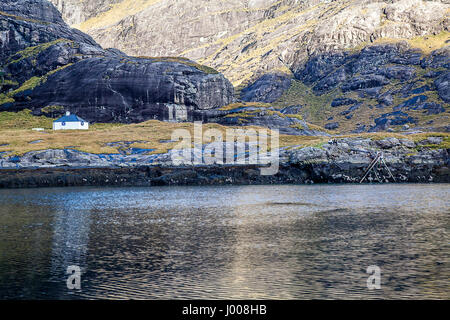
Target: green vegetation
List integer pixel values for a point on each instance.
(16, 134)
(8, 82)
(255, 113)
(4, 98)
(30, 84)
(50, 109)
(244, 114)
(237, 105)
(444, 145)
(296, 116)
(316, 108)
(23, 120)
(22, 18)
(319, 145)
(247, 110)
(318, 111)
(32, 51)
(427, 43)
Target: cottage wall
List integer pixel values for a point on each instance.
(70, 126)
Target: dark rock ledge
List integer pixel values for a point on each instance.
(338, 161)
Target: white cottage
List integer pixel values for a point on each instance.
(70, 122)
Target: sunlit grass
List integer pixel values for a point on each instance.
(426, 43)
(116, 13)
(16, 134)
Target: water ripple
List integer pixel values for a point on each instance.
(233, 242)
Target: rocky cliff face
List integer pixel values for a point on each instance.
(321, 58)
(47, 65)
(27, 23)
(338, 161)
(125, 89)
(78, 11)
(381, 87)
(245, 39)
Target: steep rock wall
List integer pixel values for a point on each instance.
(244, 39)
(44, 63)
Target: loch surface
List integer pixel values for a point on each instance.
(226, 242)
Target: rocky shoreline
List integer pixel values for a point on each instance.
(337, 161)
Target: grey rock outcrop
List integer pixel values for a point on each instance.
(287, 121)
(337, 161)
(52, 56)
(124, 89)
(332, 125)
(370, 68)
(443, 86)
(394, 77)
(342, 102)
(27, 23)
(41, 11)
(268, 88)
(77, 11)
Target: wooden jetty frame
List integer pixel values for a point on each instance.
(379, 159)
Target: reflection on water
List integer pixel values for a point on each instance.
(253, 242)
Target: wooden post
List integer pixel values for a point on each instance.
(371, 166)
(379, 159)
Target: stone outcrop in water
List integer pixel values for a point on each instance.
(338, 161)
(47, 64)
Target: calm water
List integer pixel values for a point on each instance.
(278, 242)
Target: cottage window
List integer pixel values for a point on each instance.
(63, 123)
(82, 123)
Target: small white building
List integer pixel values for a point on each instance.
(70, 122)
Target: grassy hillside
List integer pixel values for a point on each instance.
(426, 44)
(317, 109)
(116, 13)
(16, 136)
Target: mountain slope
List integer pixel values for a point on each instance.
(244, 39)
(48, 67)
(381, 87)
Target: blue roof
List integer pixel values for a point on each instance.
(70, 118)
